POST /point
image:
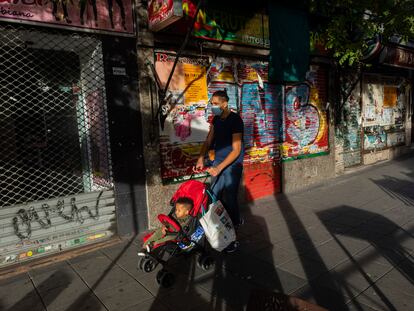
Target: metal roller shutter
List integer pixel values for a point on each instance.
(56, 189)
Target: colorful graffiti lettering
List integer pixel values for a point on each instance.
(305, 122)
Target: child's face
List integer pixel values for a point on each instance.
(182, 210)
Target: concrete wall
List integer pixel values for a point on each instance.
(158, 196)
(300, 174)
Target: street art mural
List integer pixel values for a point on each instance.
(258, 102)
(260, 109)
(305, 122)
(270, 114)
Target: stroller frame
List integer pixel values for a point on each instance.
(165, 251)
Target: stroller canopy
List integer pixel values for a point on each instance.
(194, 190)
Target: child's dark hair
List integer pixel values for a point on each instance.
(185, 200)
(222, 94)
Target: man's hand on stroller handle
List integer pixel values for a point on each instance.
(199, 167)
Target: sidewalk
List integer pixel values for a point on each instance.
(346, 245)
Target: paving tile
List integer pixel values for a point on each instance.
(366, 234)
(123, 296)
(297, 245)
(192, 298)
(246, 266)
(349, 220)
(318, 235)
(279, 280)
(322, 296)
(386, 299)
(251, 227)
(330, 253)
(374, 254)
(86, 302)
(275, 255)
(350, 244)
(355, 305)
(253, 243)
(304, 267)
(18, 294)
(399, 278)
(148, 305)
(70, 294)
(46, 280)
(401, 238)
(182, 282)
(228, 288)
(349, 279)
(368, 263)
(100, 273)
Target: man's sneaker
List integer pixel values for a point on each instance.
(232, 247)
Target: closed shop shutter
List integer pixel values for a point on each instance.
(56, 189)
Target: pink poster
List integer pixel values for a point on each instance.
(96, 15)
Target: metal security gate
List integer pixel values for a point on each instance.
(56, 188)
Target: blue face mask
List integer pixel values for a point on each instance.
(216, 110)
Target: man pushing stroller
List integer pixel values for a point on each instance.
(226, 139)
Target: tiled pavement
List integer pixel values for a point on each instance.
(345, 245)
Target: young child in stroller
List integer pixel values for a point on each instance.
(180, 233)
(170, 229)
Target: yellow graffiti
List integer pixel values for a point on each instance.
(315, 101)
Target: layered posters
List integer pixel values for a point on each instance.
(115, 16)
(383, 109)
(186, 126)
(305, 121)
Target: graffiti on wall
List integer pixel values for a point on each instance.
(22, 222)
(349, 129)
(261, 105)
(305, 122)
(35, 228)
(302, 123)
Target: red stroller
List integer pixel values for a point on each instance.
(191, 238)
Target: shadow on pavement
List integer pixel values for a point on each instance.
(26, 303)
(386, 238)
(79, 303)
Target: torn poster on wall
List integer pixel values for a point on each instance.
(305, 122)
(383, 111)
(186, 123)
(260, 109)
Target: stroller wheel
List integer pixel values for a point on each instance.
(205, 262)
(165, 279)
(147, 264)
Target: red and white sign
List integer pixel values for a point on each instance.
(162, 13)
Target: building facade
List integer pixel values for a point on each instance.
(288, 136)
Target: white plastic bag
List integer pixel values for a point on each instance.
(218, 227)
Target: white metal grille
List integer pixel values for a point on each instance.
(53, 121)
